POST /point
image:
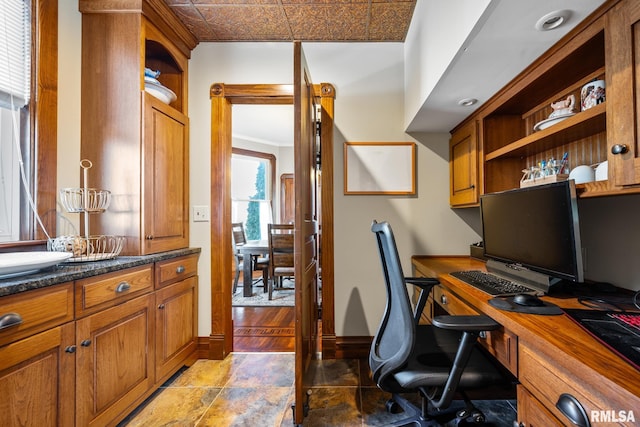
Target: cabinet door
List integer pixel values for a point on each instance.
(463, 166)
(165, 177)
(36, 379)
(176, 326)
(623, 92)
(112, 361)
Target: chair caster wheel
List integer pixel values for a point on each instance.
(470, 415)
(392, 406)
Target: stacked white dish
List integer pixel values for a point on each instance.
(155, 88)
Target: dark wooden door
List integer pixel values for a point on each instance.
(306, 231)
(287, 199)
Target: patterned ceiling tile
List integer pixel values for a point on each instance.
(247, 22)
(287, 20)
(390, 21)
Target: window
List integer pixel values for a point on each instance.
(252, 191)
(27, 165)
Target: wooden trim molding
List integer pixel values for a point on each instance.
(353, 347)
(223, 96)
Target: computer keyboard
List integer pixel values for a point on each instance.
(631, 320)
(489, 283)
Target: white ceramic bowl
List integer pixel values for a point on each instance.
(582, 174)
(602, 171)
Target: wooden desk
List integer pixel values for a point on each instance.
(549, 355)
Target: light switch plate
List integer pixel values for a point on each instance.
(200, 213)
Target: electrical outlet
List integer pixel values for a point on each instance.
(200, 213)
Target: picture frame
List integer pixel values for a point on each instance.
(379, 168)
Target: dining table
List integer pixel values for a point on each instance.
(250, 249)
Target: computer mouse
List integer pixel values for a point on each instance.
(528, 300)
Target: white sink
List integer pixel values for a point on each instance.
(18, 263)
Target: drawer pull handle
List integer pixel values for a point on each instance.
(10, 319)
(573, 410)
(85, 343)
(180, 269)
(443, 299)
(70, 349)
(161, 307)
(123, 287)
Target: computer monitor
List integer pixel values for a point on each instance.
(534, 229)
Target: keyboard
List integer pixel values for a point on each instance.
(490, 284)
(631, 320)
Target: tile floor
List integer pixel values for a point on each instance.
(256, 389)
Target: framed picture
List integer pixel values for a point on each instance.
(379, 168)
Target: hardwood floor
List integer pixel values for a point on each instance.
(263, 329)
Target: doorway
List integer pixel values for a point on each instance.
(222, 98)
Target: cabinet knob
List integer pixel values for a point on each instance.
(149, 237)
(619, 149)
(85, 343)
(161, 306)
(180, 269)
(10, 319)
(70, 349)
(123, 287)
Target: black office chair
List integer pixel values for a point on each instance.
(438, 360)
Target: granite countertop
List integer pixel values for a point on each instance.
(67, 271)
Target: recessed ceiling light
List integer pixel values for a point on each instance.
(553, 20)
(467, 102)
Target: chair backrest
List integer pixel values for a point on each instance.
(239, 238)
(280, 245)
(395, 337)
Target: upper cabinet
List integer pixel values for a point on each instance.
(463, 165)
(135, 124)
(514, 133)
(623, 68)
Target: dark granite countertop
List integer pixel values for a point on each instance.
(67, 271)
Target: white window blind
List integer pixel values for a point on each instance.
(15, 53)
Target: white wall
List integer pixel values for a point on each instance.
(69, 71)
(437, 32)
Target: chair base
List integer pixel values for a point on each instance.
(420, 417)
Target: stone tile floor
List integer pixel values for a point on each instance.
(256, 389)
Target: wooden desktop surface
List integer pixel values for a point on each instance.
(576, 355)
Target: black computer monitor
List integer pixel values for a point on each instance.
(534, 228)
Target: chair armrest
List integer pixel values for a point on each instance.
(465, 323)
(422, 282)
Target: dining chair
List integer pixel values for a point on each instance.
(280, 254)
(257, 263)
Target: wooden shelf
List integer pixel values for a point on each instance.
(581, 125)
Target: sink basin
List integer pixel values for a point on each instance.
(18, 263)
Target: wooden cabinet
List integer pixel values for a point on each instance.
(114, 362)
(623, 68)
(602, 47)
(176, 311)
(138, 145)
(37, 364)
(463, 165)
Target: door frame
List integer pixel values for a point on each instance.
(223, 97)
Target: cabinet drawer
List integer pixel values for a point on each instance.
(174, 270)
(107, 290)
(546, 379)
(531, 413)
(501, 343)
(34, 311)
